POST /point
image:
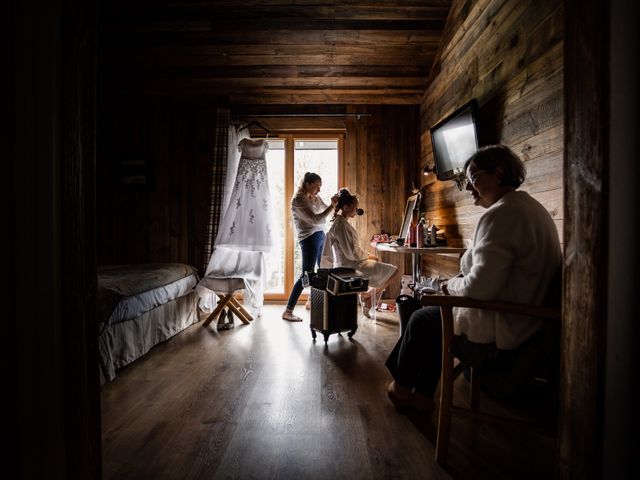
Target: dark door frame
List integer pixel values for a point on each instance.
(56, 428)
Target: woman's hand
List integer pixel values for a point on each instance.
(334, 200)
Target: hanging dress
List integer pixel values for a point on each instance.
(245, 231)
(246, 224)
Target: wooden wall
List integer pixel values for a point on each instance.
(166, 222)
(150, 224)
(507, 54)
(380, 161)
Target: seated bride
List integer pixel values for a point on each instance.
(342, 249)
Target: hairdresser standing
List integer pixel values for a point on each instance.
(309, 216)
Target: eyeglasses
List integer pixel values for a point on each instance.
(473, 177)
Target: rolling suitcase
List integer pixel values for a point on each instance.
(333, 313)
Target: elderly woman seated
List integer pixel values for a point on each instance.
(342, 249)
(514, 255)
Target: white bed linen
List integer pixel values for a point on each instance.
(135, 305)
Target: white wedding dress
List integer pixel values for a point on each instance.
(246, 223)
(245, 231)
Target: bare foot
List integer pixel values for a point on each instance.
(290, 317)
(308, 304)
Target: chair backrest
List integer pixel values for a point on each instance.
(538, 358)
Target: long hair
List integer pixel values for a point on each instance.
(344, 198)
(307, 179)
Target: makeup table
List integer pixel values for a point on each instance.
(416, 253)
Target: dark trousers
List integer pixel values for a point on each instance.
(415, 361)
(311, 253)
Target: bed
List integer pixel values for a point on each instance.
(140, 306)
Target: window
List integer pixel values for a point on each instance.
(288, 158)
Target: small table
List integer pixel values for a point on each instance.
(416, 252)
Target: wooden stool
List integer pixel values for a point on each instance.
(229, 301)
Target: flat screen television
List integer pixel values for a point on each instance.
(454, 140)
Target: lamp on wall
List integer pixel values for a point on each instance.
(429, 174)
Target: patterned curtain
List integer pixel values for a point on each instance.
(217, 180)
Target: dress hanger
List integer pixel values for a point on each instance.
(257, 124)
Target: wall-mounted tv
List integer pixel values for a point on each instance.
(454, 140)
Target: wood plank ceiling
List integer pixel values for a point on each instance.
(272, 51)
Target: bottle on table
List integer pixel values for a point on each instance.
(420, 233)
(412, 234)
(432, 233)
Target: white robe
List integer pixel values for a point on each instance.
(342, 249)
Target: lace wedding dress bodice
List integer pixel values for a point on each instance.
(246, 224)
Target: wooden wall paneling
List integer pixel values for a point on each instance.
(182, 162)
(499, 55)
(380, 151)
(377, 52)
(351, 148)
(135, 34)
(508, 55)
(52, 420)
(582, 382)
(361, 185)
(376, 177)
(77, 104)
(156, 201)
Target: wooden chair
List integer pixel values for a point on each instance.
(551, 311)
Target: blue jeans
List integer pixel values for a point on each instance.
(311, 252)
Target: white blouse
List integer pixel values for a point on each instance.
(308, 215)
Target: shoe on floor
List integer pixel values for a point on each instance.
(229, 325)
(222, 321)
(399, 396)
(421, 402)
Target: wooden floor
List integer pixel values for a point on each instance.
(264, 401)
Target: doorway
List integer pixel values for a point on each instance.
(288, 158)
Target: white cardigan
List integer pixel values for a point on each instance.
(515, 253)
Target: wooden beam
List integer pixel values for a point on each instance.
(585, 272)
(181, 34)
(260, 55)
(283, 12)
(266, 71)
